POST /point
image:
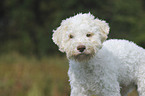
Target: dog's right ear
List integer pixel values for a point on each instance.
(104, 28)
(57, 38)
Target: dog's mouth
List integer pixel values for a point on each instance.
(82, 57)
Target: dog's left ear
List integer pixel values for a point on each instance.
(104, 28)
(58, 38)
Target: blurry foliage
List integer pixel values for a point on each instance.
(26, 25)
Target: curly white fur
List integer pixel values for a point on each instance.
(110, 68)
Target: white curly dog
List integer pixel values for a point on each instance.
(98, 67)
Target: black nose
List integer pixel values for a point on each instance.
(81, 48)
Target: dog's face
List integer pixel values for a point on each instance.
(81, 36)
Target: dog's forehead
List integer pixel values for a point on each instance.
(81, 28)
(80, 23)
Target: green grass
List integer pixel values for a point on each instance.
(23, 76)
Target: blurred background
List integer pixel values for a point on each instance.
(30, 63)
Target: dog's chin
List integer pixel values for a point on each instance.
(82, 57)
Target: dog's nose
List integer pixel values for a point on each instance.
(81, 48)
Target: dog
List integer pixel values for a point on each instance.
(98, 66)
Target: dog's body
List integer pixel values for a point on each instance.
(112, 68)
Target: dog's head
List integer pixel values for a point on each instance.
(81, 36)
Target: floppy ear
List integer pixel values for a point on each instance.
(57, 38)
(104, 28)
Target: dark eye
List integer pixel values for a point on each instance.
(71, 36)
(89, 35)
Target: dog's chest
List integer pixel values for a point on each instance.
(87, 77)
(88, 80)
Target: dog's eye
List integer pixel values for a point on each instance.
(71, 36)
(89, 35)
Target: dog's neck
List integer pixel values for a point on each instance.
(83, 65)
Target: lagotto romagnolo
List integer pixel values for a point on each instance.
(98, 66)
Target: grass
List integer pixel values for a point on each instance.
(23, 76)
